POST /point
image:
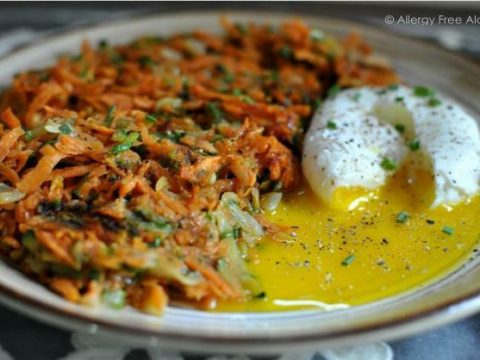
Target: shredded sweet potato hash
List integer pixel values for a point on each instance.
(138, 174)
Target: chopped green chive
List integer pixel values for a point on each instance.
(114, 298)
(393, 87)
(103, 44)
(84, 73)
(119, 135)
(65, 129)
(146, 61)
(317, 35)
(316, 104)
(110, 115)
(217, 137)
(127, 141)
(229, 77)
(414, 145)
(94, 274)
(76, 58)
(348, 260)
(286, 52)
(400, 128)
(214, 111)
(260, 295)
(447, 230)
(331, 125)
(399, 99)
(28, 135)
(242, 28)
(150, 118)
(231, 234)
(423, 91)
(272, 75)
(132, 137)
(116, 58)
(388, 164)
(117, 149)
(402, 217)
(247, 99)
(333, 90)
(28, 239)
(174, 135)
(434, 102)
(155, 243)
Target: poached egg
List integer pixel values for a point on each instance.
(361, 137)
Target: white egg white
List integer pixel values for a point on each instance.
(354, 137)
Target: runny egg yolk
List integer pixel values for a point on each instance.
(390, 241)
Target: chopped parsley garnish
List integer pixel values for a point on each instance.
(150, 118)
(348, 260)
(215, 112)
(388, 164)
(423, 91)
(434, 102)
(331, 125)
(399, 99)
(333, 90)
(110, 115)
(414, 145)
(400, 128)
(402, 217)
(447, 230)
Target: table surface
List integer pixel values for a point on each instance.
(457, 341)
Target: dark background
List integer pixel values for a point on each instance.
(458, 341)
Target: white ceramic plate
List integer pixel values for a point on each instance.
(456, 295)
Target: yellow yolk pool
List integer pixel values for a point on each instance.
(339, 257)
